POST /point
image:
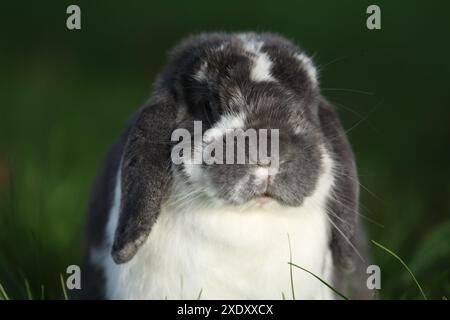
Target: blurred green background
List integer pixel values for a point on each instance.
(66, 95)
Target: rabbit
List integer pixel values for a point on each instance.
(161, 230)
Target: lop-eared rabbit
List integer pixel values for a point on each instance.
(164, 230)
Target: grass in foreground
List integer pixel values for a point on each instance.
(3, 295)
(404, 264)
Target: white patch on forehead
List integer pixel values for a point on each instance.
(227, 122)
(261, 61)
(261, 68)
(308, 66)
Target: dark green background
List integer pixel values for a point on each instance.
(65, 96)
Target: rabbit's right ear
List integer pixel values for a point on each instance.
(344, 204)
(145, 176)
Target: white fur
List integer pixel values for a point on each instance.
(225, 252)
(261, 61)
(261, 68)
(226, 122)
(262, 173)
(308, 66)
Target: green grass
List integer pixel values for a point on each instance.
(67, 97)
(3, 295)
(290, 269)
(63, 287)
(28, 290)
(340, 294)
(200, 294)
(42, 292)
(404, 265)
(321, 280)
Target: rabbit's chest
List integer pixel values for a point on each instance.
(225, 254)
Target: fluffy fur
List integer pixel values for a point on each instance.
(159, 230)
(223, 252)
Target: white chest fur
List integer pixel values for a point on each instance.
(226, 253)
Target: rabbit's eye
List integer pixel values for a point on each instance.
(211, 113)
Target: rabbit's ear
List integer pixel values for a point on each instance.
(145, 176)
(344, 203)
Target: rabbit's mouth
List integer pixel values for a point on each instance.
(265, 197)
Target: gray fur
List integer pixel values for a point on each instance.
(293, 100)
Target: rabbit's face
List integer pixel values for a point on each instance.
(245, 100)
(248, 129)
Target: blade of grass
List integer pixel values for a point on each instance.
(200, 294)
(404, 265)
(28, 289)
(321, 280)
(42, 292)
(283, 296)
(290, 268)
(3, 293)
(63, 285)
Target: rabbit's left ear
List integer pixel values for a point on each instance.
(145, 176)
